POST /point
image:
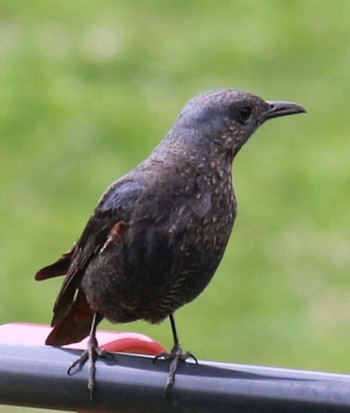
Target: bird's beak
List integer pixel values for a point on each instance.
(277, 109)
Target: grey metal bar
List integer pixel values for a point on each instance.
(37, 377)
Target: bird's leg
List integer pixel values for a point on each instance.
(90, 354)
(176, 354)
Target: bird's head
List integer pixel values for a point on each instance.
(223, 120)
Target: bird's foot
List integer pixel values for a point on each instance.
(176, 355)
(92, 351)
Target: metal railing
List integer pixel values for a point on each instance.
(36, 376)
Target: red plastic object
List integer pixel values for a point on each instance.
(35, 335)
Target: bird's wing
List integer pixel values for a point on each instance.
(59, 267)
(115, 206)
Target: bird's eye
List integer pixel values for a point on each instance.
(244, 114)
(240, 114)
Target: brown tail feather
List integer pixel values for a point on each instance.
(75, 325)
(60, 267)
(69, 331)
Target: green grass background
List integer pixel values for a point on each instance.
(88, 88)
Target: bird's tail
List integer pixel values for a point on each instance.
(75, 325)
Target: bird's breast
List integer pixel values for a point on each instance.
(174, 242)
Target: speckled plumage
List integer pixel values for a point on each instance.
(158, 234)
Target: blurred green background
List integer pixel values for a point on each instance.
(88, 88)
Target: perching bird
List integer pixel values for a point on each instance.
(157, 235)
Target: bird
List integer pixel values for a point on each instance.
(158, 234)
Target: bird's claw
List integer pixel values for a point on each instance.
(176, 355)
(92, 351)
(78, 362)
